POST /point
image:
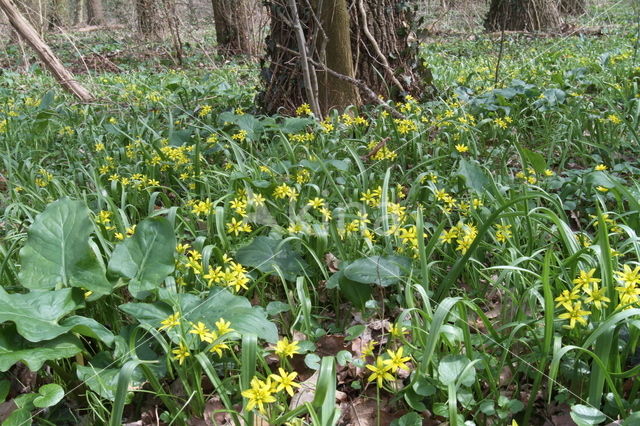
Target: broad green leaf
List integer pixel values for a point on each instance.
(381, 270)
(48, 395)
(409, 419)
(57, 252)
(36, 314)
(535, 160)
(88, 327)
(266, 254)
(473, 175)
(101, 375)
(220, 303)
(451, 366)
(147, 257)
(584, 415)
(14, 348)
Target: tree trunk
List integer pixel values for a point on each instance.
(522, 15)
(236, 26)
(383, 58)
(148, 18)
(77, 12)
(50, 60)
(335, 51)
(95, 12)
(573, 7)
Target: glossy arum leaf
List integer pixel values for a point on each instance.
(37, 314)
(220, 303)
(584, 415)
(450, 368)
(381, 270)
(147, 257)
(48, 395)
(57, 252)
(14, 348)
(473, 174)
(89, 327)
(266, 254)
(101, 375)
(536, 160)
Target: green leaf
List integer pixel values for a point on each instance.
(266, 254)
(14, 348)
(451, 366)
(57, 252)
(409, 419)
(147, 257)
(535, 160)
(381, 270)
(89, 327)
(585, 415)
(36, 314)
(220, 303)
(473, 175)
(49, 395)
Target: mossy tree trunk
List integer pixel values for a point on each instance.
(522, 15)
(573, 7)
(379, 52)
(237, 26)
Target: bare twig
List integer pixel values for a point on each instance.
(370, 94)
(304, 61)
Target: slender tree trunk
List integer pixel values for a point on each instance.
(26, 31)
(148, 18)
(334, 50)
(522, 15)
(77, 18)
(95, 12)
(237, 26)
(383, 57)
(573, 7)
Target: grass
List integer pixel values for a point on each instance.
(186, 253)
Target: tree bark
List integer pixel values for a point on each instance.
(335, 51)
(237, 26)
(26, 31)
(383, 55)
(95, 12)
(522, 15)
(573, 7)
(148, 18)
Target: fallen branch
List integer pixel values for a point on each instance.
(26, 31)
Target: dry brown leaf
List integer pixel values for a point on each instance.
(306, 392)
(332, 262)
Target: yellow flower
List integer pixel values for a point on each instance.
(181, 353)
(629, 276)
(548, 172)
(567, 297)
(204, 110)
(602, 188)
(503, 232)
(316, 203)
(235, 227)
(380, 372)
(462, 148)
(396, 361)
(601, 168)
(285, 349)
(397, 331)
(171, 321)
(201, 330)
(303, 109)
(218, 347)
(596, 296)
(259, 394)
(575, 314)
(586, 278)
(223, 326)
(285, 381)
